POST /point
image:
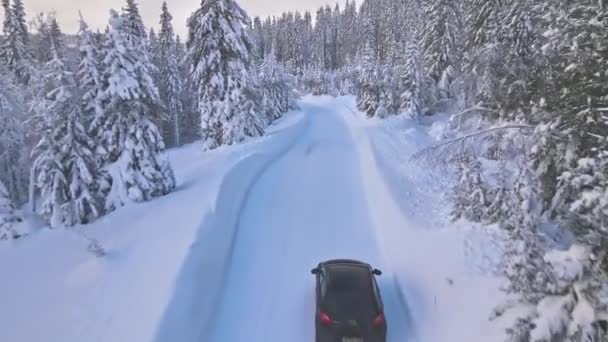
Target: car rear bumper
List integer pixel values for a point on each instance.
(324, 334)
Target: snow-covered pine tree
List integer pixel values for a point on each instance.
(48, 31)
(579, 311)
(133, 147)
(482, 57)
(159, 117)
(190, 129)
(89, 75)
(307, 38)
(412, 81)
(498, 207)
(219, 57)
(170, 84)
(152, 42)
(258, 38)
(6, 23)
(13, 167)
(368, 94)
(65, 167)
(270, 90)
(14, 50)
(8, 216)
(320, 37)
(19, 17)
(470, 194)
(335, 48)
(134, 23)
(390, 96)
(440, 43)
(482, 25)
(348, 31)
(577, 115)
(563, 293)
(277, 88)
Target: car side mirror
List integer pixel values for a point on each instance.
(315, 271)
(377, 272)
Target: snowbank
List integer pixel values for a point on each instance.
(53, 289)
(434, 262)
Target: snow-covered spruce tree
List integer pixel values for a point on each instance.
(132, 146)
(219, 58)
(485, 57)
(470, 194)
(13, 166)
(169, 81)
(563, 293)
(441, 46)
(589, 210)
(276, 87)
(412, 81)
(312, 80)
(574, 113)
(498, 207)
(528, 274)
(6, 23)
(89, 75)
(580, 310)
(8, 216)
(152, 43)
(48, 31)
(349, 39)
(134, 23)
(368, 94)
(159, 117)
(390, 90)
(14, 50)
(190, 128)
(64, 165)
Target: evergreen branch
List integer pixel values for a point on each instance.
(461, 145)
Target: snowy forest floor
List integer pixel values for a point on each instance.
(226, 258)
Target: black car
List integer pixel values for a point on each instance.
(349, 306)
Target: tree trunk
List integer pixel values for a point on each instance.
(177, 129)
(32, 191)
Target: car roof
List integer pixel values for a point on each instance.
(342, 275)
(344, 262)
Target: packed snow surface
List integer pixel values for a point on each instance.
(308, 207)
(227, 257)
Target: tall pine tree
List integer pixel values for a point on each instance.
(89, 74)
(219, 57)
(14, 51)
(13, 169)
(65, 167)
(170, 82)
(132, 146)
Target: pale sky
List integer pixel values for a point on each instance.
(96, 12)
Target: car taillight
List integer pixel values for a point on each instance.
(325, 318)
(379, 320)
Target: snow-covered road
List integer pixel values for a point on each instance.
(227, 257)
(306, 207)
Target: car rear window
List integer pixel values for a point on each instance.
(349, 292)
